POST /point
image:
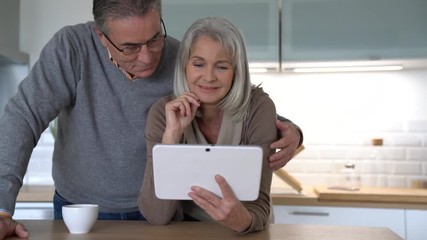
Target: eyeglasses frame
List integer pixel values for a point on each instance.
(139, 45)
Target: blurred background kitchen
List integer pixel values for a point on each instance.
(339, 112)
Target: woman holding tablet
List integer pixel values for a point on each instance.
(214, 102)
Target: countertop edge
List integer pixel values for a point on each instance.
(280, 196)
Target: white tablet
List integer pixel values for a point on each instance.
(178, 167)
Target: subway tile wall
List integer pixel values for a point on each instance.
(395, 164)
(339, 114)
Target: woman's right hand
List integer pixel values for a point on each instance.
(179, 114)
(227, 210)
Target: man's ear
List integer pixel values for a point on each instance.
(101, 36)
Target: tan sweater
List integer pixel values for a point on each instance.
(258, 129)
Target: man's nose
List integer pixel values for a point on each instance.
(144, 54)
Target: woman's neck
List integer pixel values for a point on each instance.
(210, 123)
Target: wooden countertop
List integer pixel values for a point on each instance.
(105, 230)
(397, 198)
(284, 195)
(386, 195)
(36, 194)
(366, 198)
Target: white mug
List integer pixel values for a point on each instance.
(80, 218)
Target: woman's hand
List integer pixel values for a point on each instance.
(228, 211)
(179, 114)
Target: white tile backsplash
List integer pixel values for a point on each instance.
(416, 126)
(405, 139)
(419, 154)
(406, 168)
(339, 114)
(424, 169)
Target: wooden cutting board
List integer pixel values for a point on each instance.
(388, 195)
(289, 179)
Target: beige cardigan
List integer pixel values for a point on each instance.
(257, 129)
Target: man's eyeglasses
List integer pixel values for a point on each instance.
(155, 43)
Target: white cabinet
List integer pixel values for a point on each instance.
(416, 221)
(9, 24)
(292, 31)
(393, 219)
(9, 35)
(33, 210)
(333, 30)
(257, 19)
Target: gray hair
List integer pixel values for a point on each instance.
(236, 103)
(104, 10)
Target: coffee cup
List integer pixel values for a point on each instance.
(80, 218)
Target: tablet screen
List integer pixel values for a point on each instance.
(178, 167)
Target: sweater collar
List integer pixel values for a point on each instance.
(127, 75)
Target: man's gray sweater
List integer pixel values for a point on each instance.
(100, 153)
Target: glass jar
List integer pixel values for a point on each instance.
(351, 177)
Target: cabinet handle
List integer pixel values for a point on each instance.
(34, 208)
(301, 213)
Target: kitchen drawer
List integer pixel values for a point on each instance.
(33, 210)
(416, 224)
(374, 217)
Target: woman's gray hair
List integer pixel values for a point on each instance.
(104, 10)
(236, 103)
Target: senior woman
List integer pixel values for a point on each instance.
(214, 102)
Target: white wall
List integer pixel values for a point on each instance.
(338, 113)
(330, 106)
(40, 19)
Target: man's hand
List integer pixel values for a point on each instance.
(288, 144)
(10, 227)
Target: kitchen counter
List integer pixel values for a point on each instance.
(105, 230)
(366, 198)
(284, 195)
(30, 193)
(398, 198)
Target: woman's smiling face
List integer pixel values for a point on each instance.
(210, 70)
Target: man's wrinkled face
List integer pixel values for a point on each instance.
(135, 43)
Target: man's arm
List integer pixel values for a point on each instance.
(290, 137)
(285, 120)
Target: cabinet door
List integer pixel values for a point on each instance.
(416, 224)
(9, 24)
(332, 30)
(374, 217)
(257, 19)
